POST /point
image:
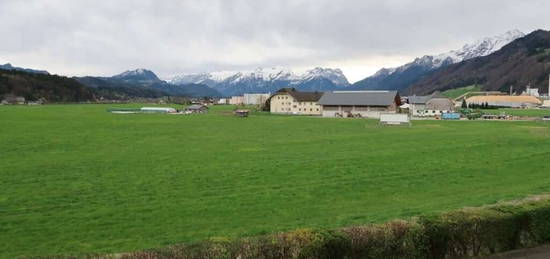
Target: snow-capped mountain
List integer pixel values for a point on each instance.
(402, 77)
(139, 74)
(264, 80)
(146, 82)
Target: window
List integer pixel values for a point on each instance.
(317, 109)
(294, 106)
(433, 111)
(310, 109)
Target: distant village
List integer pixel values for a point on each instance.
(371, 104)
(350, 104)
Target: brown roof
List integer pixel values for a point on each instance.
(302, 96)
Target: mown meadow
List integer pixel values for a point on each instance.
(75, 179)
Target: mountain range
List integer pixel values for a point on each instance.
(494, 63)
(144, 83)
(403, 77)
(525, 61)
(8, 66)
(267, 80)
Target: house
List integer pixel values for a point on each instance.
(359, 103)
(417, 105)
(512, 101)
(290, 101)
(196, 108)
(223, 101)
(255, 99)
(430, 105)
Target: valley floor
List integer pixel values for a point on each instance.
(76, 179)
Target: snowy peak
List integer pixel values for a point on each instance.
(264, 74)
(334, 75)
(137, 75)
(480, 48)
(400, 78)
(263, 80)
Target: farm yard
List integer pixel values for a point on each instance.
(76, 179)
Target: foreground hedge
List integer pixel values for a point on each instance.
(463, 233)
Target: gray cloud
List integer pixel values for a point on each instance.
(82, 37)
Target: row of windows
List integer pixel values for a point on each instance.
(282, 97)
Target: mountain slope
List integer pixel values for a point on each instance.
(8, 66)
(401, 78)
(267, 80)
(523, 61)
(35, 86)
(145, 83)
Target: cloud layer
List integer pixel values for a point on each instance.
(81, 37)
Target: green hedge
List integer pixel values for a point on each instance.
(463, 233)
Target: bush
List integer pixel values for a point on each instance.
(463, 233)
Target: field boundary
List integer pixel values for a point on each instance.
(469, 232)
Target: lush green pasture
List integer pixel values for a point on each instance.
(76, 179)
(456, 92)
(520, 112)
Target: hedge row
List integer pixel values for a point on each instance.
(463, 233)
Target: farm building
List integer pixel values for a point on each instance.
(255, 99)
(430, 105)
(290, 101)
(417, 104)
(158, 110)
(236, 100)
(196, 108)
(359, 103)
(519, 101)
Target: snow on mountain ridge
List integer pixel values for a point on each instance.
(270, 74)
(482, 47)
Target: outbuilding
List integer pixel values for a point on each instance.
(368, 104)
(196, 108)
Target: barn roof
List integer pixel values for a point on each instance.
(196, 107)
(301, 96)
(419, 99)
(363, 98)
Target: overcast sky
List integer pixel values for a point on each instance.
(80, 37)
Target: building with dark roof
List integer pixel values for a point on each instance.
(291, 101)
(359, 103)
(430, 105)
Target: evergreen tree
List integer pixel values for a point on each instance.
(464, 104)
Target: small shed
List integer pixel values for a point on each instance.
(241, 113)
(196, 108)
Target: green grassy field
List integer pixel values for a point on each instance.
(75, 179)
(454, 93)
(520, 112)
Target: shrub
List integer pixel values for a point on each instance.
(463, 233)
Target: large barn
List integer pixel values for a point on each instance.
(359, 103)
